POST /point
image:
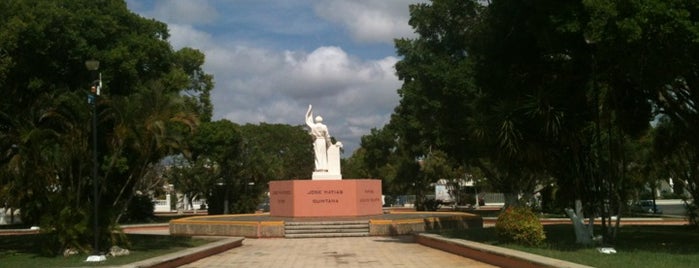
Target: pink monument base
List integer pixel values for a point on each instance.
(325, 198)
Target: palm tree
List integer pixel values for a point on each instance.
(147, 126)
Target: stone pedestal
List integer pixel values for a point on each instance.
(325, 198)
(326, 176)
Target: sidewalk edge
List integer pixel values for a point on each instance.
(183, 257)
(498, 256)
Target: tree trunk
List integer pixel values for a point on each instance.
(226, 209)
(583, 233)
(511, 199)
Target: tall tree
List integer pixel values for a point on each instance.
(528, 91)
(220, 143)
(147, 127)
(436, 106)
(272, 152)
(44, 117)
(279, 151)
(443, 108)
(679, 161)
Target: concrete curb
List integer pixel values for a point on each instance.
(145, 225)
(263, 226)
(19, 231)
(186, 256)
(497, 256)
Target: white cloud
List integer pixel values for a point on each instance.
(185, 11)
(257, 83)
(369, 20)
(352, 95)
(182, 35)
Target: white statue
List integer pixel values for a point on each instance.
(327, 154)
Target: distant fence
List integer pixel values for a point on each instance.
(164, 205)
(493, 198)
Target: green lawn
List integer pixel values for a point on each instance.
(25, 251)
(637, 246)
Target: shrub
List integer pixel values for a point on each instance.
(520, 225)
(467, 199)
(431, 204)
(140, 209)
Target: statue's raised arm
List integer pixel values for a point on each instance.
(309, 117)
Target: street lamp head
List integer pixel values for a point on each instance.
(92, 65)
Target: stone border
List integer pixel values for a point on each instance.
(438, 221)
(214, 226)
(189, 255)
(498, 256)
(19, 231)
(205, 226)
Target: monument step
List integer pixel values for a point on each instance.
(295, 223)
(316, 226)
(324, 235)
(334, 230)
(304, 229)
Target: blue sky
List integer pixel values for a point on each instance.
(272, 58)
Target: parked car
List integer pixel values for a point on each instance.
(646, 206)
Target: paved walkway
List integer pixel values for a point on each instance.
(341, 252)
(335, 252)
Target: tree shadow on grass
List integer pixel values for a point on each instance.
(659, 238)
(26, 250)
(671, 239)
(33, 243)
(146, 242)
(637, 246)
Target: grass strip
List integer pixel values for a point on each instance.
(636, 246)
(25, 250)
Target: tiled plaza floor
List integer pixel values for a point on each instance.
(335, 252)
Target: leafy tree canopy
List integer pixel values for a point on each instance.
(151, 102)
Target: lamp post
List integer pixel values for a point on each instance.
(249, 190)
(96, 86)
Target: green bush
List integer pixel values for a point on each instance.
(430, 204)
(140, 209)
(520, 225)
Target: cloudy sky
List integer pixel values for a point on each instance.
(272, 58)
